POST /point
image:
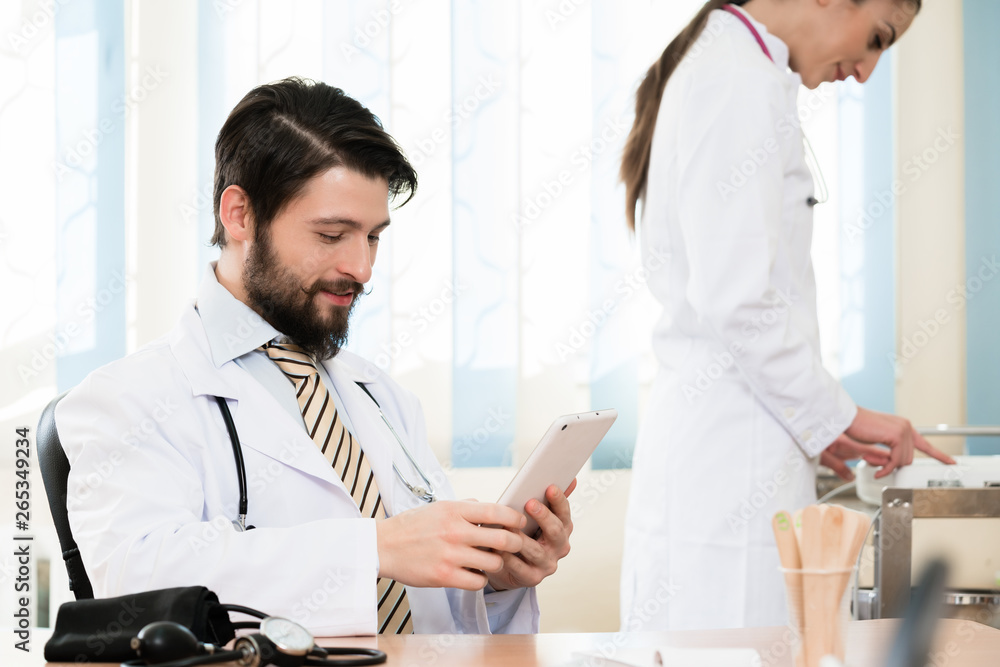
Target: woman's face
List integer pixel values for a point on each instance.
(847, 38)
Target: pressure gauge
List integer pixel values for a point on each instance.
(280, 642)
(288, 636)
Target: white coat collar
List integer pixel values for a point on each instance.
(232, 327)
(777, 47)
(221, 327)
(190, 345)
(281, 437)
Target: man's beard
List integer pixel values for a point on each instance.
(288, 306)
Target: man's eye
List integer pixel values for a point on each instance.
(372, 240)
(330, 239)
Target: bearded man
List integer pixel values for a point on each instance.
(341, 519)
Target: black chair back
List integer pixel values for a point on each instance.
(55, 471)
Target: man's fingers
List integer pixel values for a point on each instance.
(485, 561)
(531, 566)
(538, 558)
(531, 551)
(921, 443)
(558, 502)
(521, 572)
(497, 539)
(555, 531)
(543, 516)
(467, 580)
(492, 514)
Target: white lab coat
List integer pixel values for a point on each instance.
(153, 490)
(741, 406)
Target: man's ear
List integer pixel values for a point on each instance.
(234, 212)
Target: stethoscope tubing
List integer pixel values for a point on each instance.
(425, 494)
(241, 470)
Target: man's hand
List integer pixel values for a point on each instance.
(538, 557)
(443, 544)
(870, 427)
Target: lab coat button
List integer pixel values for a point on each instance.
(807, 435)
(789, 413)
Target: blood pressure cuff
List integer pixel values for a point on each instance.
(102, 630)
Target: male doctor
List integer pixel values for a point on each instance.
(339, 541)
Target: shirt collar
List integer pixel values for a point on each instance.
(777, 47)
(232, 327)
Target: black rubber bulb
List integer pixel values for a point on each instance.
(164, 641)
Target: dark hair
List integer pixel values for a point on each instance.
(635, 159)
(282, 134)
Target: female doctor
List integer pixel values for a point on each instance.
(742, 408)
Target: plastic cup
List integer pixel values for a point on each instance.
(819, 608)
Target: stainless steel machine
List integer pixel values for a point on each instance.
(930, 510)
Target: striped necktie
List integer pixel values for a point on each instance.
(327, 430)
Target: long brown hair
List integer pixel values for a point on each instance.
(635, 158)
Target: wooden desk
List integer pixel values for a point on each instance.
(958, 644)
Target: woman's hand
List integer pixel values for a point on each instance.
(845, 448)
(871, 428)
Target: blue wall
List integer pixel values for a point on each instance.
(982, 217)
(868, 259)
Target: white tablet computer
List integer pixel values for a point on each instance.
(557, 458)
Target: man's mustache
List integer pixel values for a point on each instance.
(335, 287)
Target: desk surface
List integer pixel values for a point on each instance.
(958, 644)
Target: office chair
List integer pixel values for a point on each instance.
(55, 471)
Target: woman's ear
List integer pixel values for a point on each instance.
(234, 212)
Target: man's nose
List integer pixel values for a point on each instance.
(356, 260)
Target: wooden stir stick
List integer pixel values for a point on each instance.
(788, 553)
(855, 529)
(832, 528)
(811, 548)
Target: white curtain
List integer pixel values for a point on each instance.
(507, 292)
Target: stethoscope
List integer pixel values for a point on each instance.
(812, 163)
(278, 641)
(424, 492)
